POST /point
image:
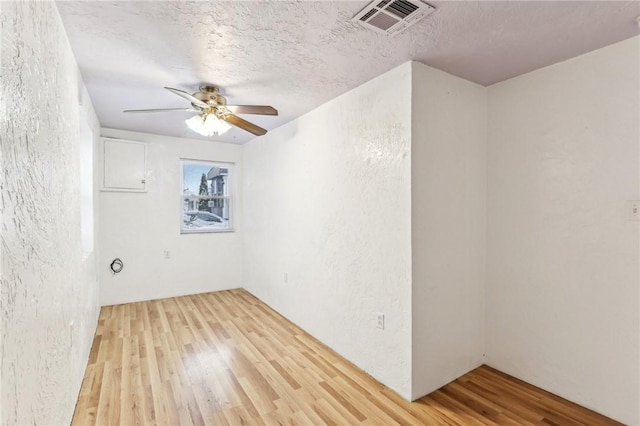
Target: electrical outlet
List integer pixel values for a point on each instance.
(286, 278)
(633, 210)
(380, 320)
(167, 254)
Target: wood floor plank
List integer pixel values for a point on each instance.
(226, 358)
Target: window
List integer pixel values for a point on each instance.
(206, 203)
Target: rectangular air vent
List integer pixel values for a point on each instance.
(392, 16)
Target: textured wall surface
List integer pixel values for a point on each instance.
(139, 227)
(48, 300)
(448, 188)
(563, 277)
(327, 202)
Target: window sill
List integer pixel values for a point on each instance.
(206, 231)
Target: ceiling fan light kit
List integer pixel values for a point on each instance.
(215, 117)
(207, 125)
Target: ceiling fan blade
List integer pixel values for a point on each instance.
(188, 97)
(245, 125)
(252, 109)
(163, 110)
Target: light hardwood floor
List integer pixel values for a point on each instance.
(227, 358)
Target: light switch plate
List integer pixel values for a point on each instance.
(380, 320)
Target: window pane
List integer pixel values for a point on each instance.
(205, 196)
(194, 178)
(205, 213)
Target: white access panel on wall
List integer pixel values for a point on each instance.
(125, 164)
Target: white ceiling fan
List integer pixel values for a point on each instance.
(214, 116)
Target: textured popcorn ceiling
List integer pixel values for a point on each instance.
(298, 55)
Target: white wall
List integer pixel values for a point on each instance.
(562, 296)
(49, 299)
(327, 202)
(448, 187)
(139, 227)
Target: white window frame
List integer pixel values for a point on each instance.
(229, 189)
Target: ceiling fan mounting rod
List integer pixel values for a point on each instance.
(209, 89)
(210, 95)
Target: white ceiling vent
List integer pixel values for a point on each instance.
(392, 16)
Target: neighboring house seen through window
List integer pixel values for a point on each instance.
(206, 202)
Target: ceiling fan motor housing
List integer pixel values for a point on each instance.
(210, 94)
(209, 102)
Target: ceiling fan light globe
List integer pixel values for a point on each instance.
(196, 123)
(207, 125)
(215, 126)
